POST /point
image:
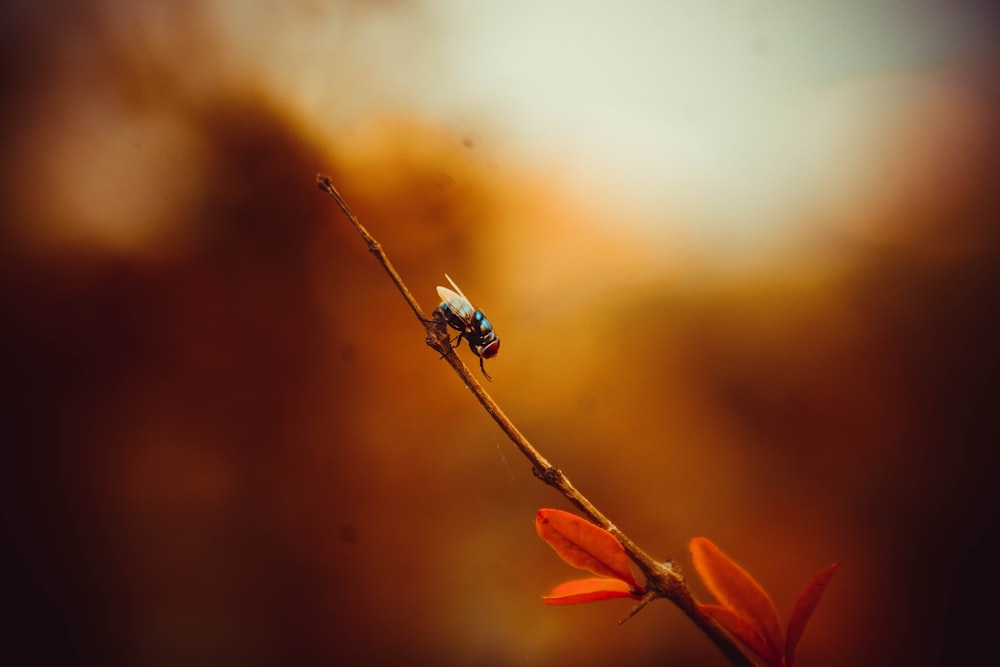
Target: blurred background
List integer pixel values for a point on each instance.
(743, 258)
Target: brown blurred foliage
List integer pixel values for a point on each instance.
(225, 442)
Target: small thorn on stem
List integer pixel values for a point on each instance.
(649, 597)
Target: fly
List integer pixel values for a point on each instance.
(470, 323)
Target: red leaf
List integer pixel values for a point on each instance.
(584, 545)
(589, 590)
(743, 631)
(804, 607)
(738, 592)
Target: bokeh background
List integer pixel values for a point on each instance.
(743, 258)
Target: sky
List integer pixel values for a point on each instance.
(732, 122)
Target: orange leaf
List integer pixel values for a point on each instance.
(584, 545)
(738, 592)
(804, 607)
(589, 590)
(743, 631)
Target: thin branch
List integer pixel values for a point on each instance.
(662, 579)
(374, 247)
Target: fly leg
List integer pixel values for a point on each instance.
(441, 333)
(483, 369)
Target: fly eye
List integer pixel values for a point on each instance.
(491, 350)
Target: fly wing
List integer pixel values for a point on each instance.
(447, 295)
(457, 288)
(458, 305)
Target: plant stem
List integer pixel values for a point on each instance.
(662, 579)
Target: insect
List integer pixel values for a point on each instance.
(470, 323)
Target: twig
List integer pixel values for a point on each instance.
(374, 247)
(662, 579)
